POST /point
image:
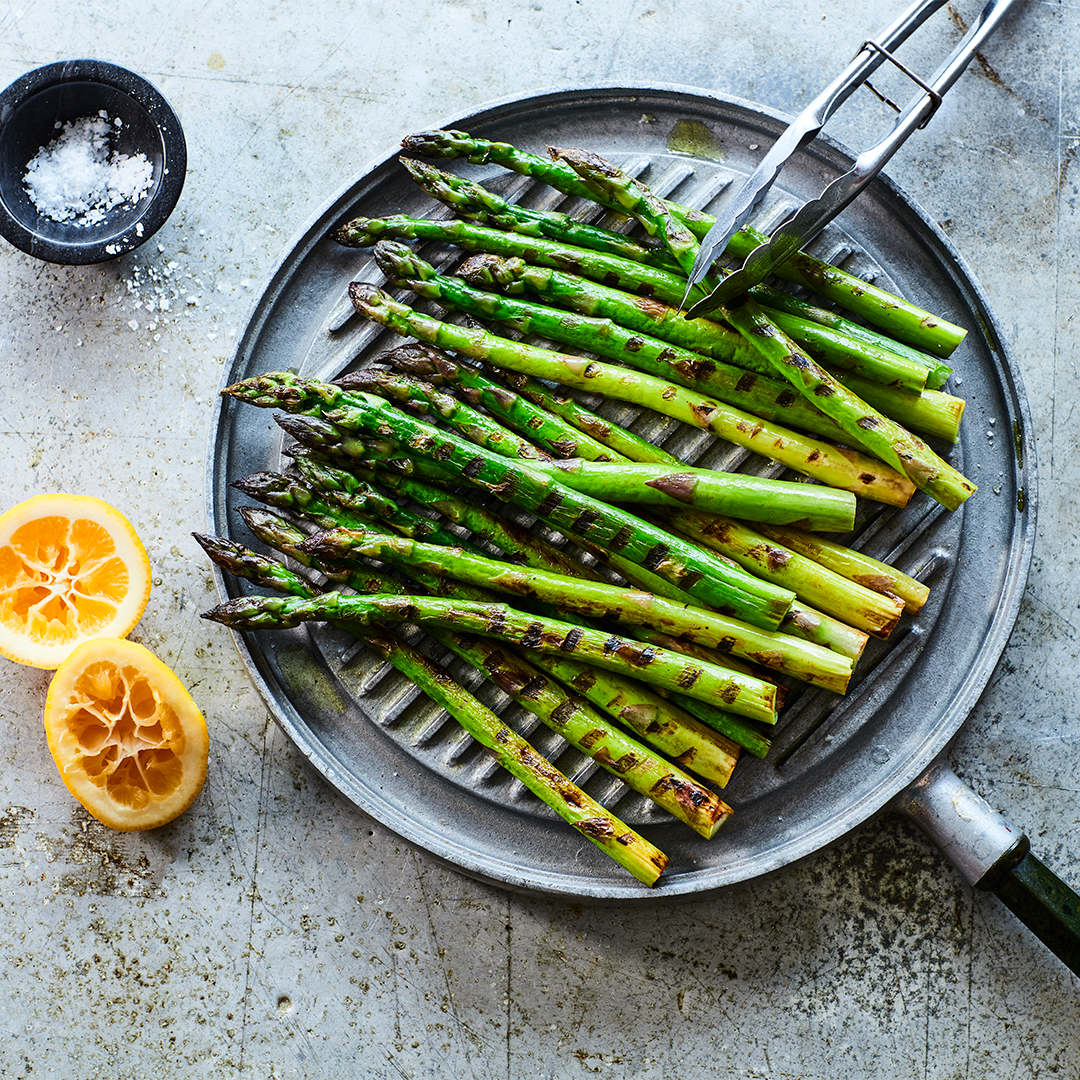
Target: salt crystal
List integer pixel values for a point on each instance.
(75, 178)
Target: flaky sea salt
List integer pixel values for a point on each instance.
(77, 178)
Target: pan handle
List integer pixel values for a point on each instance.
(993, 855)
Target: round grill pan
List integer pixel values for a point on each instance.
(835, 761)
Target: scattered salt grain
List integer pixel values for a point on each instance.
(78, 178)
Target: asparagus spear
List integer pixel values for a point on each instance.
(776, 652)
(353, 493)
(734, 727)
(884, 437)
(635, 277)
(740, 693)
(477, 519)
(929, 411)
(765, 397)
(890, 442)
(630, 850)
(519, 545)
(354, 508)
(752, 498)
(620, 441)
(669, 728)
(853, 564)
(638, 767)
(853, 603)
(275, 489)
(586, 730)
(477, 202)
(423, 399)
(698, 736)
(812, 325)
(708, 578)
(896, 315)
(646, 282)
(673, 729)
(544, 429)
(832, 465)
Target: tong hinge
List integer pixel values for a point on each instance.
(935, 97)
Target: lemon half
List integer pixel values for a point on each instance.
(71, 568)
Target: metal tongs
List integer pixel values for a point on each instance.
(813, 216)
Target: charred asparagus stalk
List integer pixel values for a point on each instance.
(752, 498)
(708, 578)
(542, 428)
(886, 439)
(898, 317)
(437, 366)
(353, 508)
(739, 693)
(476, 202)
(835, 466)
(632, 607)
(875, 612)
(426, 400)
(855, 565)
(630, 850)
(929, 411)
(672, 730)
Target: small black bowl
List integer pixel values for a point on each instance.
(31, 110)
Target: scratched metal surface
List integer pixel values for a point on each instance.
(276, 930)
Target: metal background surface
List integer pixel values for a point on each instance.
(835, 761)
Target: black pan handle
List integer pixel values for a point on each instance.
(991, 854)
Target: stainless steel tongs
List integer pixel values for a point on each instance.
(813, 216)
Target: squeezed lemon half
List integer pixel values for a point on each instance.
(130, 743)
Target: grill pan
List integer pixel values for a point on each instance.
(835, 761)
